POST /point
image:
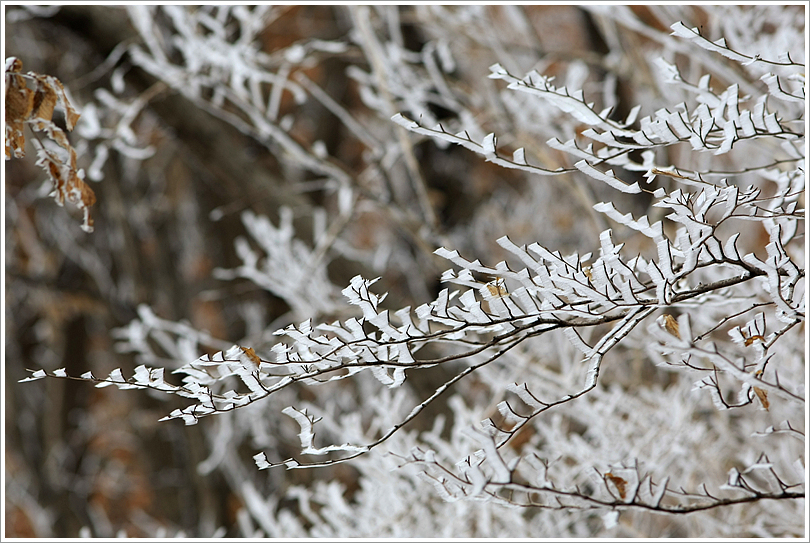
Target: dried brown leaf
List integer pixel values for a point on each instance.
(671, 325)
(19, 103)
(35, 108)
(752, 339)
(251, 354)
(68, 184)
(44, 101)
(52, 93)
(763, 397)
(619, 483)
(497, 288)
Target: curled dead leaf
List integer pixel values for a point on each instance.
(763, 397)
(251, 354)
(671, 325)
(19, 104)
(752, 339)
(497, 288)
(35, 108)
(618, 482)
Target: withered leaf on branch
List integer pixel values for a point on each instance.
(750, 340)
(19, 104)
(619, 483)
(497, 288)
(671, 325)
(763, 397)
(251, 354)
(35, 108)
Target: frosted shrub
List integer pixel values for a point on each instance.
(661, 370)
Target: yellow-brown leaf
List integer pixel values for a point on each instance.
(671, 325)
(763, 397)
(497, 288)
(251, 354)
(619, 483)
(35, 108)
